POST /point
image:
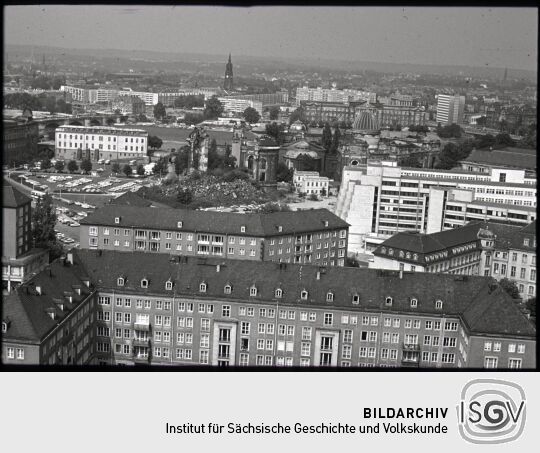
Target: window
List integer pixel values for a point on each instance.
(328, 319)
(227, 289)
(253, 291)
(438, 304)
(226, 311)
(512, 348)
(244, 328)
(487, 345)
(168, 285)
(303, 295)
(144, 283)
(514, 363)
(120, 281)
(414, 303)
(490, 362)
(278, 293)
(329, 296)
(388, 301)
(355, 299)
(202, 287)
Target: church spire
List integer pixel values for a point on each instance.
(228, 81)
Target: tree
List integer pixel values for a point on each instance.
(115, 167)
(159, 111)
(504, 139)
(72, 166)
(484, 141)
(410, 161)
(214, 159)
(450, 131)
(161, 166)
(481, 121)
(43, 222)
(251, 115)
(86, 165)
(154, 142)
(297, 115)
(46, 163)
(275, 131)
(335, 140)
(140, 170)
(127, 170)
(184, 196)
(213, 109)
(59, 166)
(313, 197)
(451, 154)
(510, 287)
(327, 137)
(274, 113)
(283, 173)
(351, 261)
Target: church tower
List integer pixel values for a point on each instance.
(228, 82)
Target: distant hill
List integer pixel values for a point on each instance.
(308, 64)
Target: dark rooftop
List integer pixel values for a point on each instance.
(13, 198)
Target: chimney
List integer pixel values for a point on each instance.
(69, 258)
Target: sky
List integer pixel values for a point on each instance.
(498, 37)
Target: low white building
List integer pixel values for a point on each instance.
(238, 105)
(310, 182)
(94, 143)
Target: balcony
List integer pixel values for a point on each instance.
(411, 347)
(142, 326)
(143, 342)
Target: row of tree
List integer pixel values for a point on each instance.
(41, 102)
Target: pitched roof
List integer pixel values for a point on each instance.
(469, 297)
(13, 198)
(508, 157)
(216, 222)
(27, 310)
(131, 199)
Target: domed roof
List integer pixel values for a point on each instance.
(297, 126)
(485, 233)
(366, 122)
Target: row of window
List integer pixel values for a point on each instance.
(488, 345)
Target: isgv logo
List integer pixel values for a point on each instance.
(491, 411)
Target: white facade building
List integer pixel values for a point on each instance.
(94, 143)
(333, 95)
(450, 109)
(309, 182)
(379, 200)
(238, 105)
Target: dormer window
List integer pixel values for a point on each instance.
(526, 242)
(4, 327)
(414, 303)
(120, 281)
(388, 301)
(355, 299)
(144, 283)
(280, 228)
(383, 250)
(329, 296)
(390, 251)
(438, 304)
(304, 295)
(227, 289)
(242, 229)
(179, 224)
(253, 291)
(168, 285)
(326, 223)
(202, 287)
(117, 220)
(279, 293)
(401, 254)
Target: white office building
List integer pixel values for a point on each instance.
(310, 182)
(450, 109)
(94, 143)
(380, 200)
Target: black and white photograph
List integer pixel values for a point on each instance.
(196, 187)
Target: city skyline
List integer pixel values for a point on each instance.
(440, 36)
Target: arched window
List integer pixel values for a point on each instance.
(279, 293)
(303, 294)
(414, 303)
(438, 304)
(202, 287)
(120, 281)
(168, 285)
(388, 301)
(329, 296)
(227, 289)
(144, 283)
(355, 299)
(253, 291)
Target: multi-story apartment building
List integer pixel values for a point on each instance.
(379, 200)
(21, 137)
(479, 248)
(81, 142)
(237, 105)
(311, 237)
(400, 115)
(19, 260)
(332, 95)
(450, 109)
(150, 309)
(483, 160)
